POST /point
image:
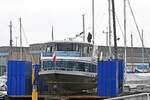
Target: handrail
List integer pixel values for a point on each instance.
(65, 53)
(64, 69)
(60, 68)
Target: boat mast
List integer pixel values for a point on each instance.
(114, 29)
(21, 56)
(132, 51)
(93, 20)
(125, 43)
(16, 40)
(109, 28)
(143, 50)
(83, 28)
(106, 32)
(10, 51)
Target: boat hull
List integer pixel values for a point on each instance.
(59, 83)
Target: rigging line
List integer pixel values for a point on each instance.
(25, 36)
(146, 53)
(97, 26)
(135, 21)
(136, 39)
(102, 18)
(119, 25)
(14, 30)
(31, 56)
(117, 22)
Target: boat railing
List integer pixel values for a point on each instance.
(65, 54)
(141, 96)
(64, 69)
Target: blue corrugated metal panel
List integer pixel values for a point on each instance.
(8, 89)
(121, 71)
(109, 81)
(23, 89)
(28, 88)
(9, 70)
(19, 78)
(28, 72)
(13, 86)
(108, 78)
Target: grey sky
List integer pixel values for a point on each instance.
(66, 16)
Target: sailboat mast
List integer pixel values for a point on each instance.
(93, 20)
(143, 50)
(132, 51)
(114, 29)
(21, 56)
(10, 33)
(10, 51)
(125, 43)
(109, 26)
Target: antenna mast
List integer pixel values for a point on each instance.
(21, 56)
(114, 29)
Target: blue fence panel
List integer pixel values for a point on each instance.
(121, 75)
(23, 86)
(28, 88)
(18, 72)
(110, 77)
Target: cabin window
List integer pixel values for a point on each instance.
(48, 65)
(70, 49)
(69, 66)
(65, 47)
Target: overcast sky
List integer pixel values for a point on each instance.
(66, 16)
